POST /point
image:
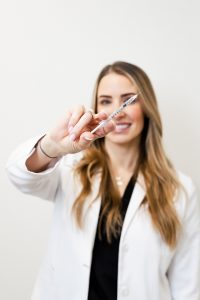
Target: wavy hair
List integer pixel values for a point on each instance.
(159, 175)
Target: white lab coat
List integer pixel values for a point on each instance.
(148, 269)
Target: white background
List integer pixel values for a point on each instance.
(50, 55)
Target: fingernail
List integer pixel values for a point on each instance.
(103, 112)
(72, 137)
(87, 138)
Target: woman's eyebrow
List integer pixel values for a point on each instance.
(123, 95)
(104, 96)
(128, 94)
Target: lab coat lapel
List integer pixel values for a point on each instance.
(92, 209)
(135, 201)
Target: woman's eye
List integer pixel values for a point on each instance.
(129, 98)
(104, 102)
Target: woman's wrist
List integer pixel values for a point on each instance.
(44, 151)
(40, 159)
(48, 147)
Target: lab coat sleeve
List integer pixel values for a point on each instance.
(43, 184)
(184, 270)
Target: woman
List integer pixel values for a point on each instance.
(126, 224)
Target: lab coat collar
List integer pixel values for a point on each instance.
(93, 209)
(134, 204)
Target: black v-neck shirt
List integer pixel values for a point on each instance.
(104, 267)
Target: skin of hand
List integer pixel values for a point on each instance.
(73, 134)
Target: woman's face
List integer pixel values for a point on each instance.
(113, 90)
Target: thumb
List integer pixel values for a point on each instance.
(86, 139)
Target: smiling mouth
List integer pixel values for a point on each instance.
(122, 127)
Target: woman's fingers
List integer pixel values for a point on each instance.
(79, 137)
(83, 122)
(73, 133)
(60, 130)
(101, 115)
(85, 140)
(76, 114)
(101, 132)
(86, 123)
(90, 137)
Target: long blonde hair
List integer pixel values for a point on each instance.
(160, 177)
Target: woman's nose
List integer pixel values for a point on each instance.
(120, 115)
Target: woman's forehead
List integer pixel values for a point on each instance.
(116, 83)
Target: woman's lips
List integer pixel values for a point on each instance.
(122, 127)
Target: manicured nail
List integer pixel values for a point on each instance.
(88, 138)
(72, 137)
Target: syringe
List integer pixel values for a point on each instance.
(117, 111)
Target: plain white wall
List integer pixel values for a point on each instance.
(50, 55)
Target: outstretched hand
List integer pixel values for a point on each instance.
(73, 132)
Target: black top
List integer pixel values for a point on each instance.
(104, 268)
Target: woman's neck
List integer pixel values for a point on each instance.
(122, 157)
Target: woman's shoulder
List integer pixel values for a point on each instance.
(187, 200)
(186, 181)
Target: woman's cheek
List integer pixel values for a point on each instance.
(137, 113)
